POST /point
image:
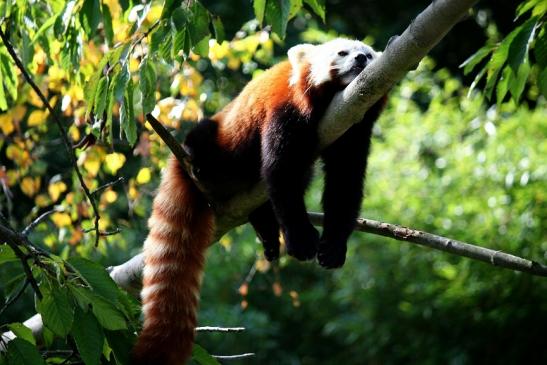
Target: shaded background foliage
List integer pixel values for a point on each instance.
(443, 161)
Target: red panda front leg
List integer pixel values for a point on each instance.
(288, 146)
(345, 163)
(266, 227)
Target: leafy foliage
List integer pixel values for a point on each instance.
(510, 66)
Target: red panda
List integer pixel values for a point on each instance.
(269, 131)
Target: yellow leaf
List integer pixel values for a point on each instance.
(133, 192)
(61, 219)
(37, 117)
(91, 160)
(110, 196)
(42, 200)
(56, 189)
(226, 242)
(6, 124)
(154, 13)
(30, 185)
(114, 161)
(144, 176)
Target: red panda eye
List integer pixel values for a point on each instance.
(369, 56)
(342, 53)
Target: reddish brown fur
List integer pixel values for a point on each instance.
(170, 317)
(258, 100)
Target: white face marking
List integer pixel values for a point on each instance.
(343, 58)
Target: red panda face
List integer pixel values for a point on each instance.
(340, 59)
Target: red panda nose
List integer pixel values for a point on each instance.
(361, 59)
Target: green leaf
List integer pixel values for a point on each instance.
(119, 82)
(542, 82)
(119, 342)
(107, 314)
(21, 352)
(91, 86)
(202, 357)
(107, 23)
(158, 36)
(90, 16)
(82, 295)
(10, 78)
(178, 42)
(96, 276)
(48, 24)
(56, 310)
(198, 26)
(202, 47)
(6, 253)
(296, 5)
(3, 101)
(476, 81)
(540, 50)
(127, 115)
(277, 14)
(100, 98)
(147, 85)
(470, 63)
(168, 6)
(518, 50)
(259, 6)
(494, 66)
(220, 35)
(318, 7)
(180, 18)
(526, 6)
(23, 332)
(503, 84)
(518, 81)
(88, 336)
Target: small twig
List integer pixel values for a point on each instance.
(64, 136)
(219, 329)
(233, 357)
(104, 233)
(37, 221)
(107, 185)
(15, 297)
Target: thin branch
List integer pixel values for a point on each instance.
(14, 240)
(64, 136)
(37, 221)
(487, 255)
(220, 329)
(104, 233)
(15, 297)
(234, 357)
(107, 185)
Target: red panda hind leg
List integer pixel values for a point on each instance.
(181, 229)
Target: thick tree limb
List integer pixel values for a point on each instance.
(349, 106)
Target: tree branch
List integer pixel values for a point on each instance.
(62, 129)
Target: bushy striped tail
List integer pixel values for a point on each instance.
(181, 229)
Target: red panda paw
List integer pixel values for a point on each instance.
(302, 244)
(331, 255)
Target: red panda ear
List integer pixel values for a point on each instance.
(298, 53)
